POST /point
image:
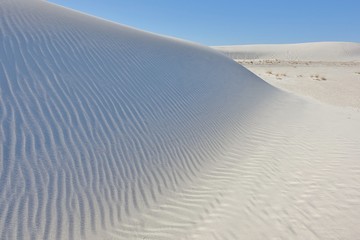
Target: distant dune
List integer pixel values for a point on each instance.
(320, 51)
(107, 132)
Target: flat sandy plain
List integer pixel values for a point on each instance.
(307, 70)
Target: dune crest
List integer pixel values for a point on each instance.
(108, 132)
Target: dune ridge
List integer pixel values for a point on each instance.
(108, 132)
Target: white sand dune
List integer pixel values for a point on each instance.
(320, 51)
(112, 133)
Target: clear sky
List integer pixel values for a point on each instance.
(225, 22)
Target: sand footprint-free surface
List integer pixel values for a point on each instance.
(107, 132)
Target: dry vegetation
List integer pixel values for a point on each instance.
(317, 77)
(278, 76)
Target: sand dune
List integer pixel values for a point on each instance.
(108, 132)
(320, 51)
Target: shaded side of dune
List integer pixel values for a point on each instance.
(99, 120)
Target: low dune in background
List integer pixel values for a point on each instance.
(328, 72)
(107, 132)
(318, 51)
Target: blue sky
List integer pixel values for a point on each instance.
(228, 22)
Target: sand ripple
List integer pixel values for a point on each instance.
(111, 133)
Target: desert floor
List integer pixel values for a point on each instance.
(335, 83)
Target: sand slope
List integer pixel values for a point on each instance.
(111, 133)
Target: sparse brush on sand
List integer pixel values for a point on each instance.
(330, 64)
(107, 132)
